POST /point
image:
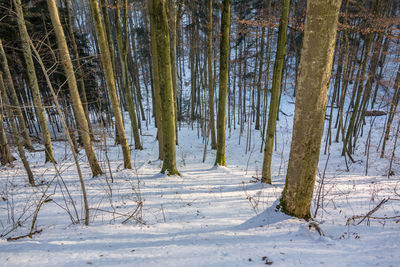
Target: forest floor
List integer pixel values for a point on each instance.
(208, 216)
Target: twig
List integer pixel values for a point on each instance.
(321, 185)
(163, 214)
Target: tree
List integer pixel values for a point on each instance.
(156, 83)
(78, 67)
(223, 82)
(210, 73)
(122, 41)
(161, 30)
(315, 72)
(112, 89)
(33, 82)
(260, 74)
(172, 15)
(73, 89)
(9, 111)
(276, 92)
(13, 97)
(5, 154)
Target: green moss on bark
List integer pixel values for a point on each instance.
(223, 82)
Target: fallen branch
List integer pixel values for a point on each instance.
(374, 113)
(368, 215)
(23, 236)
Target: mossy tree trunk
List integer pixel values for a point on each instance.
(33, 83)
(172, 32)
(156, 84)
(77, 107)
(13, 98)
(276, 92)
(210, 75)
(104, 7)
(122, 41)
(161, 28)
(223, 82)
(112, 89)
(312, 93)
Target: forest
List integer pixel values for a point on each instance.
(199, 132)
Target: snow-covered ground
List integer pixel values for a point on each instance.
(208, 216)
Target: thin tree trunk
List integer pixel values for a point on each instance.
(78, 68)
(172, 26)
(33, 83)
(156, 86)
(123, 54)
(77, 107)
(259, 82)
(276, 92)
(5, 154)
(392, 112)
(112, 89)
(210, 75)
(14, 99)
(223, 82)
(16, 133)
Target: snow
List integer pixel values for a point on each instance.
(208, 216)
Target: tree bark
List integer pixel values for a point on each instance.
(33, 83)
(13, 98)
(14, 127)
(81, 82)
(276, 92)
(156, 84)
(172, 27)
(77, 107)
(315, 71)
(5, 154)
(161, 28)
(112, 89)
(223, 82)
(210, 75)
(123, 55)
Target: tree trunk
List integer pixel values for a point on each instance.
(259, 82)
(156, 85)
(159, 15)
(210, 75)
(315, 71)
(172, 26)
(78, 68)
(15, 132)
(13, 98)
(77, 107)
(123, 55)
(112, 89)
(276, 92)
(393, 108)
(223, 81)
(5, 154)
(33, 83)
